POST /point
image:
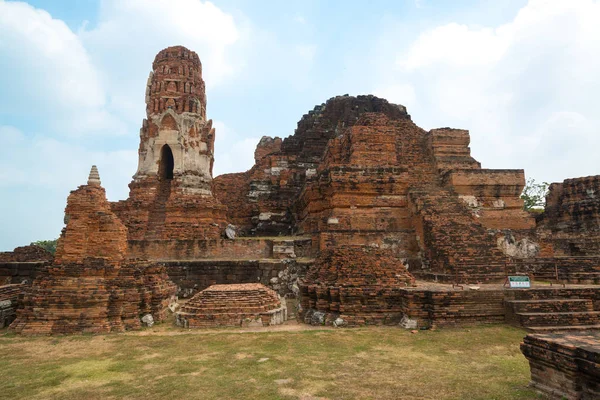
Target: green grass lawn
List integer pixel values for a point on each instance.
(368, 363)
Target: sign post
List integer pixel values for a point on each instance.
(519, 282)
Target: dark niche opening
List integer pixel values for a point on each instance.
(167, 163)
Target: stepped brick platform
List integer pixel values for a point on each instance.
(554, 308)
(565, 365)
(436, 305)
(9, 296)
(249, 304)
(360, 285)
(90, 288)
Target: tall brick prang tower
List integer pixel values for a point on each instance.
(171, 192)
(176, 139)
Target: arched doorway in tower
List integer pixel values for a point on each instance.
(167, 163)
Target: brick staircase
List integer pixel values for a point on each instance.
(456, 246)
(156, 219)
(553, 309)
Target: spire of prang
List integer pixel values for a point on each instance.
(94, 178)
(176, 83)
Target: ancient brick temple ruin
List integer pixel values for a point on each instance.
(361, 216)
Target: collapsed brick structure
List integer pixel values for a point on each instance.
(91, 287)
(261, 200)
(365, 174)
(248, 304)
(171, 193)
(571, 221)
(388, 183)
(564, 366)
(31, 253)
(22, 264)
(359, 285)
(9, 296)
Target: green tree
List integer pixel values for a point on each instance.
(48, 245)
(534, 195)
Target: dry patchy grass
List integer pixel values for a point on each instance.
(368, 363)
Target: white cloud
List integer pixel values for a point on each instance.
(93, 81)
(129, 33)
(399, 93)
(526, 89)
(300, 19)
(48, 163)
(306, 52)
(458, 46)
(38, 173)
(233, 153)
(48, 73)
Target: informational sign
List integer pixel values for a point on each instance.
(519, 282)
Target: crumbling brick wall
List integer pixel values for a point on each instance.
(570, 222)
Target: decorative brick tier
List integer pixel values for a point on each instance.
(565, 365)
(554, 308)
(9, 296)
(249, 304)
(360, 285)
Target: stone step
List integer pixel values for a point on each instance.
(544, 329)
(558, 319)
(556, 292)
(551, 305)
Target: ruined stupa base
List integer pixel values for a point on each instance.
(239, 305)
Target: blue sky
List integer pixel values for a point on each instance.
(522, 76)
